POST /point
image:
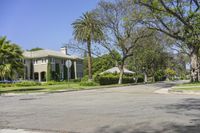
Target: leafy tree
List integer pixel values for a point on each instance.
(180, 62)
(35, 49)
(10, 59)
(49, 72)
(57, 73)
(104, 62)
(86, 30)
(101, 63)
(150, 58)
(170, 73)
(180, 20)
(121, 29)
(153, 57)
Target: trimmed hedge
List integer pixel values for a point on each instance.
(107, 79)
(140, 78)
(6, 85)
(20, 84)
(88, 83)
(27, 83)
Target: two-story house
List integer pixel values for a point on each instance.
(46, 65)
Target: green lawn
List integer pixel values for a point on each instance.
(51, 88)
(187, 87)
(189, 84)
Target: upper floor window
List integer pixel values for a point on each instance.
(79, 62)
(63, 61)
(52, 60)
(24, 61)
(43, 60)
(35, 61)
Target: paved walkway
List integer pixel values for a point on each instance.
(130, 109)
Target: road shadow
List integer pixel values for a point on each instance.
(166, 128)
(188, 107)
(165, 84)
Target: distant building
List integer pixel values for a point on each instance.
(44, 65)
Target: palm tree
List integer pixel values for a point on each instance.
(87, 29)
(10, 56)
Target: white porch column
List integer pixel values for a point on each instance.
(75, 70)
(39, 76)
(25, 73)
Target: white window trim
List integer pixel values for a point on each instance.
(44, 61)
(53, 60)
(35, 62)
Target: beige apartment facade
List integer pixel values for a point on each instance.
(46, 65)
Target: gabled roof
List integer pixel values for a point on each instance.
(47, 53)
(116, 70)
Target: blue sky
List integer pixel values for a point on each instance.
(41, 23)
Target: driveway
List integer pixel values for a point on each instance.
(130, 109)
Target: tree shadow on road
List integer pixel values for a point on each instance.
(188, 107)
(164, 85)
(167, 128)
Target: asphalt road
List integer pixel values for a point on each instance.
(131, 109)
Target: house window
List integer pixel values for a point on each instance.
(63, 61)
(52, 60)
(35, 62)
(43, 60)
(79, 62)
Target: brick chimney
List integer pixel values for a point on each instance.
(63, 50)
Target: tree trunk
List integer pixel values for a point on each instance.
(194, 64)
(145, 77)
(121, 69)
(89, 60)
(153, 78)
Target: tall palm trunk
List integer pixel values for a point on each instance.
(89, 60)
(194, 64)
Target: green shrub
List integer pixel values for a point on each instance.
(50, 83)
(85, 78)
(6, 85)
(160, 76)
(140, 78)
(75, 80)
(55, 82)
(61, 82)
(88, 83)
(109, 78)
(27, 83)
